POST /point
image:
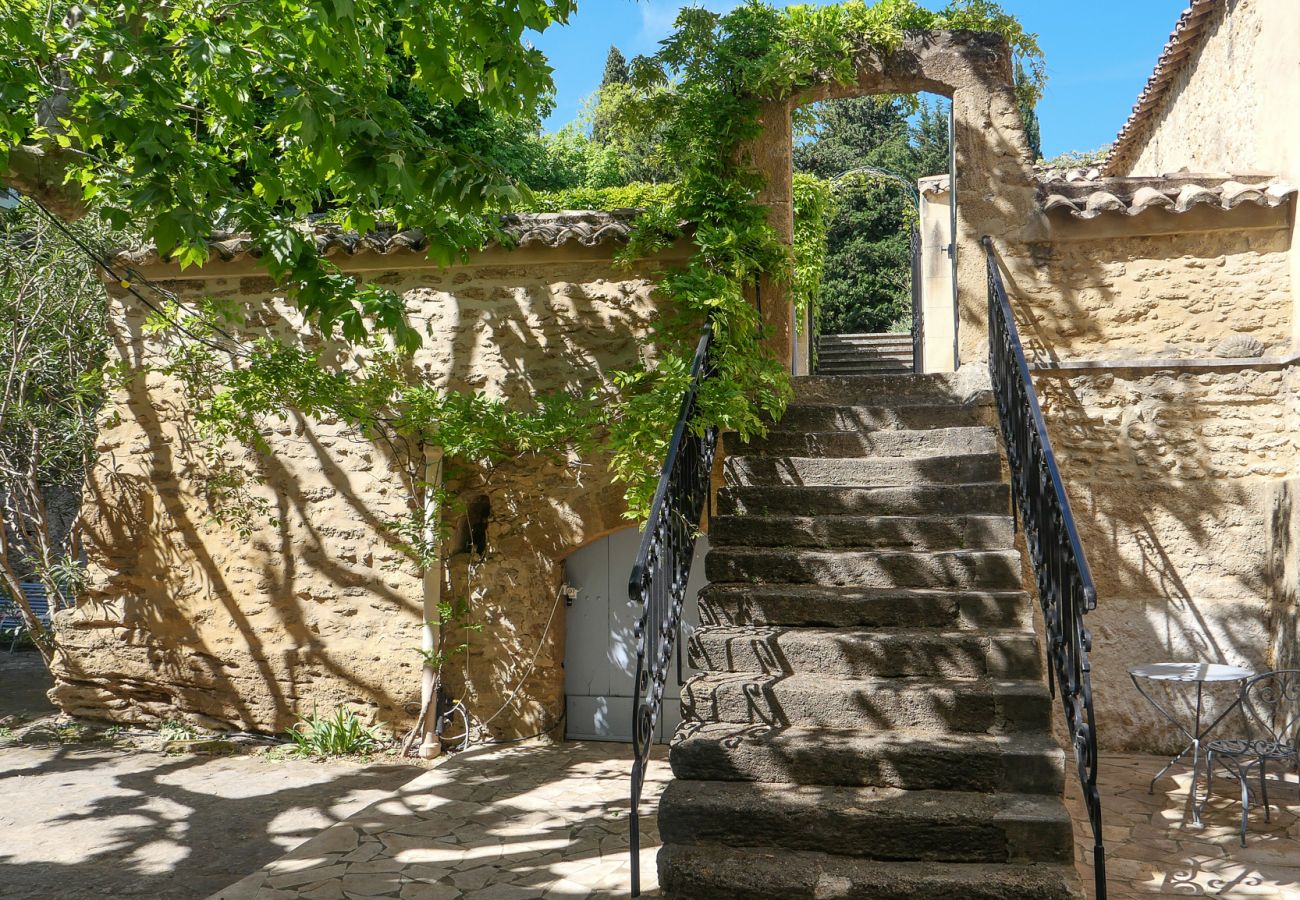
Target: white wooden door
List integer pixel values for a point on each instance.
(600, 652)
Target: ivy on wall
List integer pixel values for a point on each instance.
(703, 91)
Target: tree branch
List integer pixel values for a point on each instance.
(39, 173)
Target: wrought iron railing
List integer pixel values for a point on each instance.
(660, 574)
(1065, 587)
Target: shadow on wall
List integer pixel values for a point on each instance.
(1171, 474)
(315, 607)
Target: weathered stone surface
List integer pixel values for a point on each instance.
(864, 443)
(711, 873)
(860, 471)
(913, 759)
(802, 604)
(955, 569)
(185, 617)
(869, 823)
(879, 532)
(860, 653)
(801, 417)
(990, 498)
(803, 700)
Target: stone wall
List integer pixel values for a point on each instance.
(1156, 295)
(1230, 106)
(1174, 473)
(187, 617)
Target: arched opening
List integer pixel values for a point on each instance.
(600, 644)
(887, 301)
(991, 156)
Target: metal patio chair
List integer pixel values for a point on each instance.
(1270, 707)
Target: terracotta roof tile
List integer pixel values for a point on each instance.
(580, 228)
(1088, 197)
(1183, 42)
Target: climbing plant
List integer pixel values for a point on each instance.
(196, 116)
(704, 90)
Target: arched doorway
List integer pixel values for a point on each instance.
(887, 160)
(973, 70)
(600, 649)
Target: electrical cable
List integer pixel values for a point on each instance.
(128, 285)
(531, 663)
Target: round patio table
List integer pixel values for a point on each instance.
(1199, 674)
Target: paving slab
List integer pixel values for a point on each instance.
(1153, 848)
(545, 821)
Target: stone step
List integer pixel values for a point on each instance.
(856, 653)
(837, 355)
(868, 351)
(827, 444)
(967, 386)
(862, 471)
(858, 367)
(874, 532)
(804, 417)
(818, 700)
(866, 338)
(913, 760)
(985, 498)
(868, 822)
(855, 607)
(732, 873)
(952, 569)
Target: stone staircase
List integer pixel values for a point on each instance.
(864, 354)
(871, 719)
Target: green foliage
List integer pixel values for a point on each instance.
(638, 195)
(868, 148)
(340, 734)
(1078, 159)
(197, 116)
(238, 393)
(1028, 115)
(53, 355)
(814, 209)
(177, 730)
(454, 614)
(616, 70)
(702, 94)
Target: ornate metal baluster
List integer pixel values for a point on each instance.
(661, 572)
(1065, 587)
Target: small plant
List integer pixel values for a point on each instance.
(177, 730)
(340, 734)
(72, 733)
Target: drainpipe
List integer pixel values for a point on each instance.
(430, 745)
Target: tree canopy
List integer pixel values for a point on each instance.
(198, 116)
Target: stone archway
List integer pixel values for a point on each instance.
(996, 179)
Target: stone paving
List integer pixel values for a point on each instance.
(539, 821)
(507, 824)
(1152, 847)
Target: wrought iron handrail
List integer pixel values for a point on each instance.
(660, 574)
(1065, 587)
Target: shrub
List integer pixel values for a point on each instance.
(340, 734)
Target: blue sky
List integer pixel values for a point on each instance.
(1099, 55)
